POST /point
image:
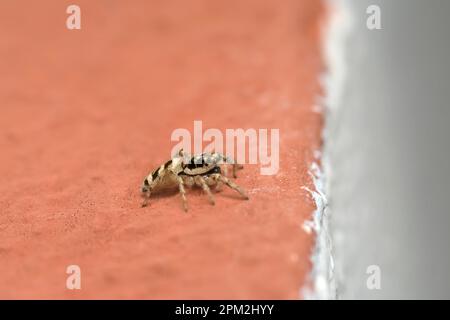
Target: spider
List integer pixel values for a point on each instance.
(202, 170)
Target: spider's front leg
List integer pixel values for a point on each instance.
(227, 160)
(146, 196)
(229, 183)
(202, 183)
(182, 192)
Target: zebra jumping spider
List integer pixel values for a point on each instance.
(202, 170)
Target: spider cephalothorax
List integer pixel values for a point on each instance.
(202, 170)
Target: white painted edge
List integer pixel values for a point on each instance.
(321, 284)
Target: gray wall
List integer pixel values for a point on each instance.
(388, 147)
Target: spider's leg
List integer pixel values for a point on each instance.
(146, 198)
(205, 188)
(182, 192)
(231, 184)
(188, 181)
(233, 162)
(234, 170)
(210, 181)
(218, 186)
(225, 170)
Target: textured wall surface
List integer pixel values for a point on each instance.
(86, 114)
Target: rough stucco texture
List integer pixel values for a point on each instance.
(85, 114)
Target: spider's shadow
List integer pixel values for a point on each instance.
(164, 193)
(197, 191)
(231, 194)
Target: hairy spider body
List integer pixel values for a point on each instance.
(202, 170)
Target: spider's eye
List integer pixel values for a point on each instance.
(146, 182)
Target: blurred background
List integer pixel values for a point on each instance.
(388, 152)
